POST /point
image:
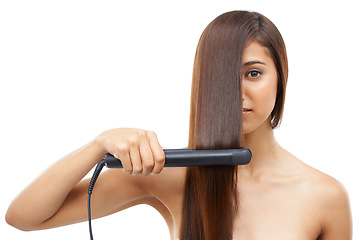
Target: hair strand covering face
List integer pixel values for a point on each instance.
(210, 200)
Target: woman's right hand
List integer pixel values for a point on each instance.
(139, 150)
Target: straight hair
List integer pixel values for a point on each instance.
(210, 201)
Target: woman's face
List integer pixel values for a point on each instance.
(259, 87)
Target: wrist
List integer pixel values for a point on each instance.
(97, 144)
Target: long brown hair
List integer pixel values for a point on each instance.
(210, 197)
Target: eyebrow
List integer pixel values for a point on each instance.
(253, 62)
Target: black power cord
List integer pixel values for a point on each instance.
(96, 174)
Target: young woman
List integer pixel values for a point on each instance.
(238, 94)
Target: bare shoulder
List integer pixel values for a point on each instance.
(320, 186)
(326, 189)
(329, 202)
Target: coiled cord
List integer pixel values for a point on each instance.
(95, 176)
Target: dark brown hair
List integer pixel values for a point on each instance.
(210, 195)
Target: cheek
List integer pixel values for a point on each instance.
(263, 95)
(267, 97)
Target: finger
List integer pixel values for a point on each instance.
(158, 153)
(135, 160)
(146, 158)
(124, 157)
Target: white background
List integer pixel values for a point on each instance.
(72, 69)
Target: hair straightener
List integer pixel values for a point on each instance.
(186, 157)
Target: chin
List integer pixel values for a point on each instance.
(246, 132)
(250, 127)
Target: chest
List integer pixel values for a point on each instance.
(275, 211)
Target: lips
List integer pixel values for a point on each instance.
(246, 111)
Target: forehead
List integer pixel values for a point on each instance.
(256, 51)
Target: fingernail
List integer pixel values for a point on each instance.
(126, 172)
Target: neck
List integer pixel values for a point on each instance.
(264, 148)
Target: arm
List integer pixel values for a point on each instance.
(58, 197)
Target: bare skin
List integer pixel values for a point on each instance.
(280, 197)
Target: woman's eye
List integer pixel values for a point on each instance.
(254, 74)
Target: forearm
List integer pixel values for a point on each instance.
(43, 197)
